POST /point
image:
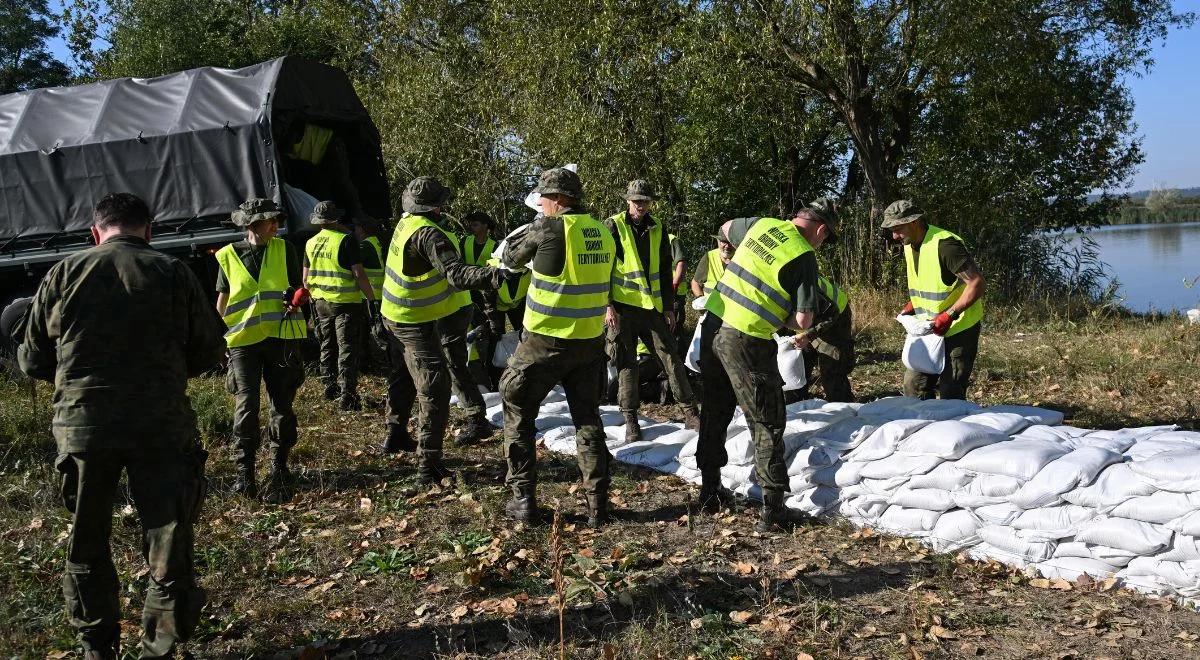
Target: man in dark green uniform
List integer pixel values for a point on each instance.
(334, 275)
(563, 342)
(370, 235)
(644, 300)
(712, 266)
(424, 278)
(771, 283)
(680, 282)
(832, 337)
(256, 276)
(119, 329)
(946, 286)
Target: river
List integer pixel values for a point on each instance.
(1151, 263)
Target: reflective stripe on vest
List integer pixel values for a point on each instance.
(682, 289)
(633, 283)
(749, 296)
(375, 275)
(931, 296)
(255, 308)
(833, 293)
(571, 305)
(716, 268)
(327, 280)
(467, 248)
(418, 298)
(459, 298)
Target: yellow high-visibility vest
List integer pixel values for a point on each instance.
(255, 308)
(833, 293)
(633, 283)
(467, 249)
(682, 289)
(571, 305)
(327, 280)
(418, 298)
(375, 275)
(749, 296)
(931, 296)
(716, 268)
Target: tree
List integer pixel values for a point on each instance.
(25, 63)
(1159, 200)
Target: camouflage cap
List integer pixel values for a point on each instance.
(560, 181)
(826, 210)
(254, 210)
(639, 190)
(424, 194)
(326, 213)
(900, 212)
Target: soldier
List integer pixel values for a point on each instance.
(771, 283)
(945, 284)
(119, 329)
(453, 328)
(368, 232)
(680, 282)
(425, 276)
(563, 342)
(256, 288)
(640, 300)
(832, 347)
(712, 266)
(334, 275)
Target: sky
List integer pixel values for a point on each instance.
(1166, 110)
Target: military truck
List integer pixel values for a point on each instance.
(194, 145)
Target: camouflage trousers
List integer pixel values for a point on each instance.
(275, 364)
(419, 375)
(338, 327)
(168, 489)
(832, 353)
(453, 330)
(961, 350)
(540, 363)
(740, 370)
(633, 323)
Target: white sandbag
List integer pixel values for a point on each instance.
(1177, 470)
(997, 514)
(1033, 414)
(954, 531)
(880, 486)
(814, 501)
(882, 442)
(827, 414)
(798, 434)
(1055, 434)
(692, 359)
(940, 409)
(1008, 541)
(740, 448)
(1077, 468)
(809, 460)
(908, 522)
(949, 440)
(986, 489)
(698, 304)
(1054, 522)
(839, 474)
(1186, 524)
(1021, 459)
(1116, 484)
(1130, 535)
(1071, 568)
(914, 325)
(1116, 444)
(986, 552)
(1112, 557)
(867, 507)
(1160, 507)
(1153, 440)
(791, 364)
(899, 465)
(505, 347)
(925, 354)
(891, 407)
(1004, 423)
(946, 476)
(1181, 575)
(1183, 548)
(804, 405)
(932, 499)
(690, 448)
(847, 433)
(736, 476)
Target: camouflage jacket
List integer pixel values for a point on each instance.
(119, 329)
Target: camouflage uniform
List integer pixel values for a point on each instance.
(338, 325)
(121, 404)
(832, 350)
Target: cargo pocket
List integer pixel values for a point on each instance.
(194, 462)
(69, 480)
(231, 385)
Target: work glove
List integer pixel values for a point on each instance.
(378, 331)
(908, 309)
(941, 323)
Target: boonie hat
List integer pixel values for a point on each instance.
(424, 194)
(900, 212)
(254, 210)
(560, 181)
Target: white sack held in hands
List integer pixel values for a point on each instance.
(791, 364)
(692, 359)
(923, 352)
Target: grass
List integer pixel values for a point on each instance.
(362, 562)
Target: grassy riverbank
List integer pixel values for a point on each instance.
(362, 562)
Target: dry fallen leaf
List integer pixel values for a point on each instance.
(1039, 583)
(939, 633)
(743, 568)
(740, 616)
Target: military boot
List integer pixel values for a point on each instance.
(597, 510)
(633, 428)
(476, 429)
(775, 517)
(245, 484)
(279, 482)
(398, 440)
(713, 495)
(524, 508)
(431, 471)
(691, 417)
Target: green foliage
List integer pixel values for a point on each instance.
(25, 63)
(24, 423)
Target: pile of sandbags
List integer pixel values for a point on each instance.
(1010, 483)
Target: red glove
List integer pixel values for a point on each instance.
(908, 309)
(941, 323)
(300, 297)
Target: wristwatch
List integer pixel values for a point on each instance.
(954, 314)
